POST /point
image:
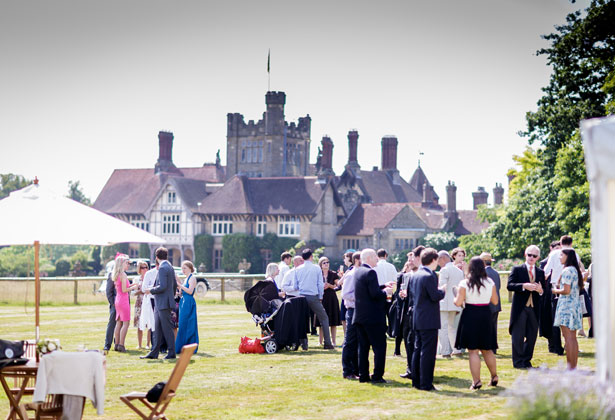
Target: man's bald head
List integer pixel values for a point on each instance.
(369, 257)
(297, 261)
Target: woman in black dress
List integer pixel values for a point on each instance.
(329, 299)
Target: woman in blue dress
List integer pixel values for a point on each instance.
(569, 316)
(188, 330)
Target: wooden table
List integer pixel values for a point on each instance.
(23, 375)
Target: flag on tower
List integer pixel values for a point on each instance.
(268, 61)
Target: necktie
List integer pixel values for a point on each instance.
(530, 302)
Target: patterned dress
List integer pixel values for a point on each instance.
(568, 313)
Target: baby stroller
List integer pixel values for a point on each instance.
(283, 323)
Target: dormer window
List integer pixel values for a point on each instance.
(171, 197)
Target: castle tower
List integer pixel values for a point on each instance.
(480, 197)
(270, 147)
(165, 154)
(498, 194)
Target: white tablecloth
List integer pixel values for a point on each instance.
(80, 374)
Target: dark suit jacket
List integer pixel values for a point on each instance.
(110, 289)
(426, 300)
(493, 275)
(164, 291)
(369, 298)
(518, 276)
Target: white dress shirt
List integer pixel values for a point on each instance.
(348, 288)
(288, 281)
(279, 279)
(386, 272)
(555, 267)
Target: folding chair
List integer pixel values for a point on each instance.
(156, 411)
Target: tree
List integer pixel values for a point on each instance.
(75, 193)
(12, 182)
(440, 240)
(203, 250)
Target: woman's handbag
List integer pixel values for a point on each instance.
(583, 307)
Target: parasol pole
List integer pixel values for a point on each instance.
(37, 289)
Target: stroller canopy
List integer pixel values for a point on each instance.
(258, 297)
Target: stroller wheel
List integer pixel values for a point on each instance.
(271, 346)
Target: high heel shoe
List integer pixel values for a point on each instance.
(494, 380)
(476, 386)
(121, 348)
(116, 347)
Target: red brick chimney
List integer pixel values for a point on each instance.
(389, 153)
(353, 140)
(326, 164)
(165, 154)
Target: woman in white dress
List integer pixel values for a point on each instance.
(146, 321)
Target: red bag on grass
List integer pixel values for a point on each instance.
(249, 345)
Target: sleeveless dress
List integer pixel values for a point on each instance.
(188, 330)
(122, 302)
(568, 313)
(330, 302)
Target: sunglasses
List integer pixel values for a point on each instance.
(325, 262)
(532, 255)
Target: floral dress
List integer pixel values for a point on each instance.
(568, 313)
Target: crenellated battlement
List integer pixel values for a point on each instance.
(237, 127)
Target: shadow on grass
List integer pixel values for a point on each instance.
(590, 355)
(465, 385)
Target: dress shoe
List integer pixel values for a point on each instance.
(351, 377)
(379, 381)
(167, 357)
(364, 380)
(406, 375)
(328, 347)
(433, 388)
(446, 356)
(148, 356)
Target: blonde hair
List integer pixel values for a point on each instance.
(118, 268)
(271, 269)
(189, 265)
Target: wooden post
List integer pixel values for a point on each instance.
(75, 291)
(222, 289)
(37, 291)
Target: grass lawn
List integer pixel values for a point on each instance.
(221, 383)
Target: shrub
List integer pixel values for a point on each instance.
(62, 267)
(203, 251)
(440, 240)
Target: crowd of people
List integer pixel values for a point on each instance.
(164, 306)
(449, 311)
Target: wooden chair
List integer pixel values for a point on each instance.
(155, 412)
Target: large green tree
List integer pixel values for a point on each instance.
(76, 193)
(550, 194)
(12, 182)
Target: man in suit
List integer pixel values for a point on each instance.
(527, 281)
(426, 316)
(493, 275)
(450, 276)
(350, 348)
(110, 291)
(164, 292)
(549, 307)
(370, 317)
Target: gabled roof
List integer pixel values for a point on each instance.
(380, 186)
(367, 217)
(132, 191)
(466, 224)
(191, 191)
(274, 196)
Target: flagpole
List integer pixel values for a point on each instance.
(269, 71)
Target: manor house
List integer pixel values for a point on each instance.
(268, 184)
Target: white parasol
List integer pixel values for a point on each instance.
(34, 216)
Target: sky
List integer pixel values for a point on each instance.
(85, 86)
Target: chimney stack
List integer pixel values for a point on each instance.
(389, 153)
(353, 140)
(326, 163)
(480, 197)
(165, 154)
(451, 198)
(498, 194)
(427, 195)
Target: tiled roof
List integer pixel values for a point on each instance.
(191, 191)
(279, 195)
(417, 180)
(132, 191)
(433, 218)
(380, 187)
(469, 223)
(369, 216)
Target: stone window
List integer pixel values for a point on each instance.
(217, 259)
(350, 244)
(139, 221)
(221, 225)
(252, 151)
(171, 197)
(170, 223)
(403, 244)
(289, 226)
(261, 226)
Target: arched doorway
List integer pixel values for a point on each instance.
(175, 256)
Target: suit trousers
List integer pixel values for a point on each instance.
(110, 328)
(494, 320)
(424, 358)
(164, 330)
(350, 348)
(375, 336)
(555, 341)
(447, 334)
(524, 334)
(316, 306)
(409, 338)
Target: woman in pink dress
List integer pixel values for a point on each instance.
(122, 302)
